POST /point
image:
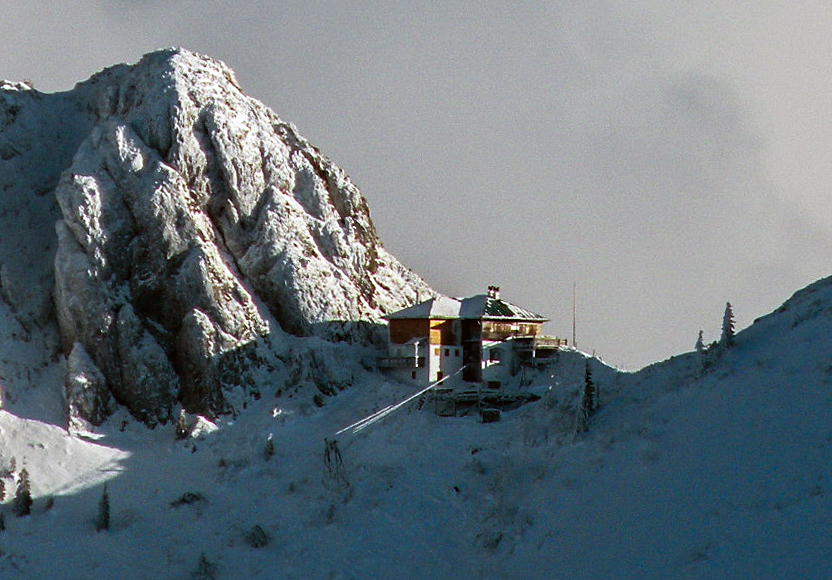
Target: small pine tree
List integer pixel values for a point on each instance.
(727, 338)
(182, 426)
(102, 520)
(590, 396)
(257, 537)
(588, 402)
(700, 344)
(22, 505)
(701, 349)
(205, 570)
(581, 420)
(268, 451)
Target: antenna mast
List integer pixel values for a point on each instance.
(574, 301)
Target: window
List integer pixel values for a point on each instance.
(436, 351)
(413, 375)
(447, 352)
(496, 354)
(456, 352)
(439, 375)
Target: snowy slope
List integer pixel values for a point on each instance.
(691, 469)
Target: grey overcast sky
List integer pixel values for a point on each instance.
(665, 156)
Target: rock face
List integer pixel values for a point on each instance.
(190, 222)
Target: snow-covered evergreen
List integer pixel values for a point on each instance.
(727, 337)
(22, 504)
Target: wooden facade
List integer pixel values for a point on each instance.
(444, 332)
(405, 330)
(444, 336)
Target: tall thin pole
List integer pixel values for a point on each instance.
(574, 311)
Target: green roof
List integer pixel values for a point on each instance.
(479, 307)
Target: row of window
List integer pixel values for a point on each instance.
(439, 375)
(436, 351)
(494, 354)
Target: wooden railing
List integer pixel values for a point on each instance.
(401, 362)
(539, 343)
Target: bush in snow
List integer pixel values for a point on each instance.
(335, 475)
(188, 498)
(257, 537)
(205, 569)
(22, 505)
(102, 520)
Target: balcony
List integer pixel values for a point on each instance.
(401, 362)
(533, 343)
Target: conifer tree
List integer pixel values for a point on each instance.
(588, 401)
(701, 350)
(22, 505)
(727, 339)
(205, 570)
(268, 451)
(582, 420)
(102, 520)
(590, 395)
(182, 426)
(700, 344)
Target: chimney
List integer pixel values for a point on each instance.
(494, 292)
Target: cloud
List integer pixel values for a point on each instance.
(527, 144)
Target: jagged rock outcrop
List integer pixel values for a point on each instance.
(85, 389)
(190, 222)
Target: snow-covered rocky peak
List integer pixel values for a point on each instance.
(190, 221)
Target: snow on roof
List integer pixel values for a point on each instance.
(480, 306)
(441, 307)
(489, 308)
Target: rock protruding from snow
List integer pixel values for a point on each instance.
(87, 396)
(193, 219)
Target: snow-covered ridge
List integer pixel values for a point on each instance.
(187, 222)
